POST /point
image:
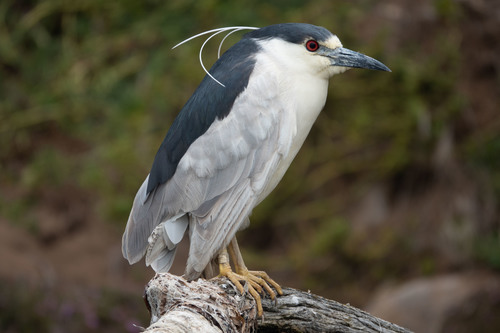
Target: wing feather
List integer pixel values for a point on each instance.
(218, 181)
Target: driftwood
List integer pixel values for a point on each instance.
(177, 305)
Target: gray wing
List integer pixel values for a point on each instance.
(217, 183)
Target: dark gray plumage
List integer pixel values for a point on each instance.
(295, 33)
(210, 101)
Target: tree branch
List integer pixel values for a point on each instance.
(177, 305)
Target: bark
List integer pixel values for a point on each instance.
(177, 305)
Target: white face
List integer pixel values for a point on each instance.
(333, 43)
(297, 59)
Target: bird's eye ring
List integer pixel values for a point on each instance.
(312, 45)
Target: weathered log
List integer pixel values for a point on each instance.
(177, 305)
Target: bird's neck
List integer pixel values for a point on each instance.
(297, 101)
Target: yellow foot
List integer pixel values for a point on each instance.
(263, 280)
(256, 281)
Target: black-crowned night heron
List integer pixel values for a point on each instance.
(229, 147)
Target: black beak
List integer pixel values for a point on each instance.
(346, 58)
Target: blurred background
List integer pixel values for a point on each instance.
(392, 205)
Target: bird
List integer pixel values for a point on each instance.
(230, 146)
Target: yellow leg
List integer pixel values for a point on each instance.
(260, 278)
(256, 280)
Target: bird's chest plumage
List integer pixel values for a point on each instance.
(296, 103)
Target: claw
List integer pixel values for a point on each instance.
(253, 287)
(257, 281)
(265, 281)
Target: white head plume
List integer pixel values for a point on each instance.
(214, 32)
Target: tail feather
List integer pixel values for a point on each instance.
(139, 226)
(164, 261)
(163, 243)
(151, 231)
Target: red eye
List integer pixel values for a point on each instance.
(312, 45)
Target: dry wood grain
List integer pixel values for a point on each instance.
(177, 305)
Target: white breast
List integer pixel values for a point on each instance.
(305, 113)
(299, 97)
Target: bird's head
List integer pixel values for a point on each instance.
(304, 48)
(294, 48)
